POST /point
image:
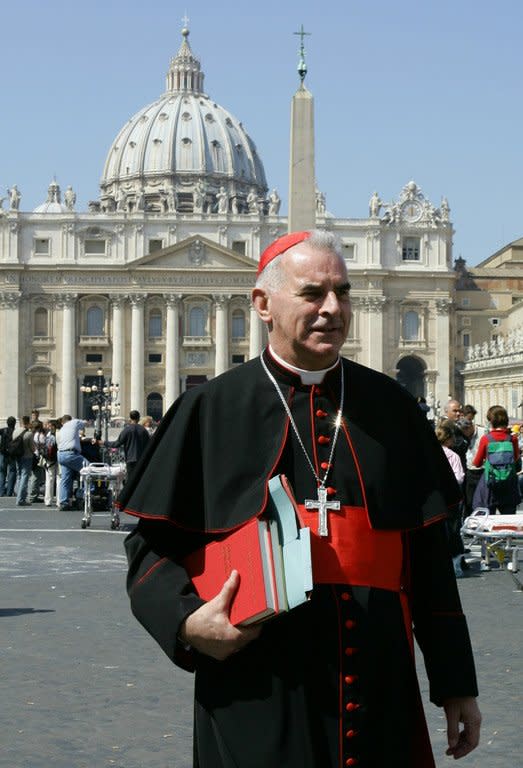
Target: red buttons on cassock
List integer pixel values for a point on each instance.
(352, 706)
(321, 414)
(350, 624)
(345, 596)
(350, 679)
(324, 465)
(324, 440)
(331, 491)
(350, 651)
(351, 734)
(351, 761)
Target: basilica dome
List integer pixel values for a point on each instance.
(183, 152)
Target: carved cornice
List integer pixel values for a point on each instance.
(373, 304)
(10, 300)
(442, 306)
(137, 299)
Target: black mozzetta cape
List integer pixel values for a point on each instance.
(331, 683)
(209, 462)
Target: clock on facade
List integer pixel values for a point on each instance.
(411, 211)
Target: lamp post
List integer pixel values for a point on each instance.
(103, 398)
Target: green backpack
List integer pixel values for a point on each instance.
(500, 464)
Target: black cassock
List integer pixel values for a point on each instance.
(331, 683)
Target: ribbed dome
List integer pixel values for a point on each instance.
(182, 152)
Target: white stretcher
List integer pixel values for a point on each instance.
(101, 481)
(498, 535)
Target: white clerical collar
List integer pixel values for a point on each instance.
(307, 377)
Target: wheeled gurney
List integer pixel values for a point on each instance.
(498, 535)
(101, 484)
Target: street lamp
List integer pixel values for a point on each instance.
(103, 398)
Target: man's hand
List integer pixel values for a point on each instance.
(462, 710)
(209, 630)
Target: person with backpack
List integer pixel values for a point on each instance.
(498, 454)
(22, 448)
(7, 463)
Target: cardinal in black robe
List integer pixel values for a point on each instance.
(331, 683)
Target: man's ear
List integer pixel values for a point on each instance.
(261, 303)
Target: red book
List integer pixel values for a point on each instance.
(249, 551)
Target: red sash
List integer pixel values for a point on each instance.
(354, 553)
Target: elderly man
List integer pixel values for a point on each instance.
(333, 681)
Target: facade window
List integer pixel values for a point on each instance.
(238, 324)
(155, 245)
(94, 357)
(155, 324)
(41, 246)
(238, 246)
(410, 249)
(95, 321)
(155, 406)
(155, 357)
(348, 251)
(237, 359)
(466, 339)
(411, 326)
(40, 394)
(41, 322)
(196, 321)
(95, 247)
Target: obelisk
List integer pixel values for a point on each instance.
(302, 180)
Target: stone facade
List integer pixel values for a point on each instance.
(152, 283)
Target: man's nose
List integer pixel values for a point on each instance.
(331, 303)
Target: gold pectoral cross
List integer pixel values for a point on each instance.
(323, 506)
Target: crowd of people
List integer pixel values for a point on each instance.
(486, 462)
(40, 460)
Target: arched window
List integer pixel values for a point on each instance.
(41, 322)
(155, 406)
(155, 324)
(95, 321)
(238, 324)
(411, 326)
(196, 321)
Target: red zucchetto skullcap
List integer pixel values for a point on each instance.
(279, 246)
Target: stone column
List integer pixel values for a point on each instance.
(221, 363)
(117, 370)
(69, 394)
(373, 307)
(442, 346)
(172, 350)
(11, 378)
(137, 352)
(255, 334)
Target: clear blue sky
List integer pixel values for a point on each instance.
(429, 91)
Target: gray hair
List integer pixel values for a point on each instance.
(272, 276)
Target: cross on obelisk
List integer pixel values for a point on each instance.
(323, 506)
(302, 66)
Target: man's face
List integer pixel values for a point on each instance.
(454, 410)
(309, 315)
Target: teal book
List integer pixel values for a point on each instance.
(291, 545)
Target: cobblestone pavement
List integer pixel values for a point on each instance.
(83, 686)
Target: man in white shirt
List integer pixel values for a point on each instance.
(70, 458)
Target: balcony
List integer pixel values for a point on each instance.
(94, 341)
(197, 341)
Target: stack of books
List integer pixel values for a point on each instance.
(272, 554)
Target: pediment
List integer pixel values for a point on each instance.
(196, 252)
